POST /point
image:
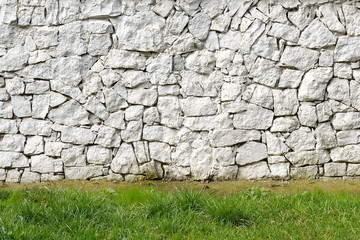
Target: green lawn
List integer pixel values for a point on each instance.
(153, 213)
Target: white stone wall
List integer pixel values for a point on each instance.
(186, 89)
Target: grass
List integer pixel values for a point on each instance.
(150, 212)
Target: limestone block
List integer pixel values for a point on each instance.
(70, 113)
(317, 35)
(30, 126)
(34, 145)
(255, 117)
(280, 170)
(108, 137)
(303, 158)
(160, 152)
(198, 106)
(251, 152)
(325, 136)
(74, 156)
(334, 169)
(75, 135)
(125, 160)
(349, 153)
(12, 142)
(83, 173)
(285, 102)
(229, 137)
(307, 115)
(132, 132)
(302, 139)
(299, 57)
(309, 172)
(314, 84)
(254, 171)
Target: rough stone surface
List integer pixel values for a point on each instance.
(179, 90)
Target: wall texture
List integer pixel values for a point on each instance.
(215, 89)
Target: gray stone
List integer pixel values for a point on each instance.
(11, 142)
(15, 86)
(116, 120)
(220, 23)
(125, 59)
(196, 106)
(30, 177)
(335, 169)
(199, 25)
(325, 136)
(309, 172)
(195, 84)
(349, 153)
(146, 97)
(37, 87)
(229, 137)
(280, 170)
(303, 158)
(160, 152)
(284, 31)
(326, 58)
(346, 49)
(34, 145)
(70, 113)
(299, 57)
(254, 171)
(316, 35)
(355, 94)
(13, 176)
(267, 47)
(324, 111)
(170, 111)
(42, 164)
(351, 14)
(343, 70)
(74, 156)
(353, 170)
(151, 116)
(15, 59)
(285, 124)
(314, 83)
(307, 115)
(21, 106)
(56, 99)
(8, 126)
(75, 135)
(262, 96)
(285, 102)
(108, 137)
(200, 61)
(40, 106)
(132, 132)
(224, 156)
(113, 100)
(53, 149)
(346, 121)
(83, 173)
(141, 149)
(94, 106)
(348, 137)
(202, 162)
(290, 78)
(265, 72)
(330, 17)
(301, 139)
(254, 117)
(159, 134)
(29, 126)
(275, 145)
(177, 22)
(125, 160)
(251, 152)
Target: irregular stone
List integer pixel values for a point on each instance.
(277, 159)
(186, 43)
(146, 97)
(169, 90)
(159, 134)
(142, 32)
(324, 111)
(75, 135)
(202, 162)
(347, 137)
(125, 160)
(221, 121)
(125, 59)
(56, 99)
(94, 106)
(163, 63)
(221, 23)
(53, 149)
(199, 25)
(133, 130)
(229, 137)
(13, 159)
(34, 145)
(37, 87)
(70, 113)
(15, 59)
(21, 106)
(254, 117)
(338, 89)
(325, 136)
(196, 106)
(30, 177)
(307, 115)
(170, 111)
(6, 110)
(275, 145)
(51, 177)
(313, 85)
(343, 70)
(96, 9)
(132, 78)
(299, 57)
(316, 35)
(15, 86)
(335, 169)
(29, 126)
(349, 153)
(108, 77)
(303, 158)
(267, 47)
(261, 96)
(113, 100)
(163, 7)
(212, 42)
(224, 156)
(134, 113)
(13, 176)
(177, 22)
(330, 17)
(226, 173)
(172, 172)
(83, 173)
(285, 102)
(301, 139)
(326, 58)
(4, 96)
(351, 14)
(43, 164)
(152, 170)
(230, 91)
(309, 172)
(40, 106)
(195, 84)
(8, 126)
(265, 72)
(141, 149)
(99, 44)
(107, 137)
(151, 116)
(284, 31)
(337, 106)
(254, 171)
(72, 40)
(353, 170)
(200, 61)
(68, 70)
(346, 49)
(73, 92)
(346, 121)
(160, 152)
(251, 152)
(285, 124)
(280, 170)
(355, 94)
(74, 156)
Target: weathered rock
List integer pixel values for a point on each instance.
(275, 145)
(13, 159)
(324, 111)
(347, 137)
(141, 150)
(34, 145)
(75, 135)
(254, 117)
(94, 106)
(151, 116)
(133, 131)
(160, 152)
(83, 173)
(96, 9)
(13, 176)
(142, 32)
(195, 84)
(196, 106)
(229, 137)
(29, 126)
(346, 121)
(355, 94)
(146, 97)
(309, 172)
(251, 152)
(351, 14)
(303, 158)
(21, 106)
(125, 59)
(314, 83)
(70, 113)
(325, 136)
(159, 134)
(221, 121)
(224, 156)
(343, 70)
(265, 72)
(338, 89)
(200, 61)
(53, 149)
(30, 177)
(326, 58)
(330, 18)
(261, 95)
(226, 173)
(173, 172)
(43, 164)
(280, 170)
(285, 102)
(353, 170)
(301, 139)
(350, 153)
(108, 137)
(15, 59)
(170, 111)
(316, 35)
(6, 110)
(74, 156)
(12, 142)
(285, 124)
(284, 31)
(40, 106)
(113, 100)
(346, 49)
(202, 162)
(199, 25)
(307, 115)
(254, 171)
(299, 57)
(125, 160)
(335, 169)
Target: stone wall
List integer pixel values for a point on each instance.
(158, 89)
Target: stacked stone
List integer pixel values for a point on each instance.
(186, 89)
